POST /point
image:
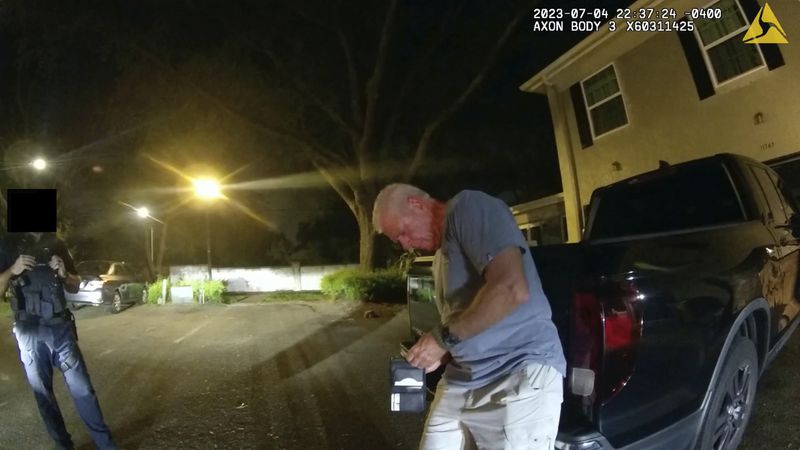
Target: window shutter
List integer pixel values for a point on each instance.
(694, 56)
(772, 53)
(579, 105)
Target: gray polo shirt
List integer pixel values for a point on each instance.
(478, 227)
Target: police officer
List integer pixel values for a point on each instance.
(37, 271)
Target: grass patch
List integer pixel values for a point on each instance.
(5, 308)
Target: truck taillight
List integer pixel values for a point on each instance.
(605, 329)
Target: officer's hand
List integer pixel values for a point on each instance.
(427, 354)
(23, 263)
(57, 264)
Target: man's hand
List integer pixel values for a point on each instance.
(57, 264)
(23, 263)
(427, 354)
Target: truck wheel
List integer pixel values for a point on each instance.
(733, 399)
(116, 303)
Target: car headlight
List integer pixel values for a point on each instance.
(93, 285)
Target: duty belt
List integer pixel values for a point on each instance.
(64, 317)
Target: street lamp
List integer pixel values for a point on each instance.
(207, 189)
(39, 164)
(144, 213)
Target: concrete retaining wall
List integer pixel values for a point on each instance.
(260, 279)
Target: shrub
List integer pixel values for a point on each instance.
(212, 289)
(154, 291)
(352, 284)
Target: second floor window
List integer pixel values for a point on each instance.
(721, 40)
(604, 103)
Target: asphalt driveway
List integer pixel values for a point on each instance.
(271, 376)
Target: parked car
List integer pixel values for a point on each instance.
(682, 291)
(112, 283)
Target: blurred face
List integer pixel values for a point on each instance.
(413, 228)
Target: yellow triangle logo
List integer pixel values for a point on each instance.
(765, 29)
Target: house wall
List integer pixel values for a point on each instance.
(667, 121)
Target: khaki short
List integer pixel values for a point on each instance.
(519, 411)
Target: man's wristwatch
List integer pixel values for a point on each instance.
(443, 336)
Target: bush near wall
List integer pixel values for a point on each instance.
(387, 285)
(154, 291)
(213, 289)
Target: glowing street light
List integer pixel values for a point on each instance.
(39, 164)
(207, 188)
(143, 212)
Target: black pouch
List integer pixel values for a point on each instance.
(407, 386)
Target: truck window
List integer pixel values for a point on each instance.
(693, 196)
(790, 177)
(788, 199)
(771, 194)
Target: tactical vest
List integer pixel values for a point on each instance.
(38, 292)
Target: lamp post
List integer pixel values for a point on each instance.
(207, 189)
(144, 213)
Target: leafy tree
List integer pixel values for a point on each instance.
(358, 91)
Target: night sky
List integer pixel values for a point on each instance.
(123, 97)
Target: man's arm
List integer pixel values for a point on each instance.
(5, 281)
(23, 263)
(504, 290)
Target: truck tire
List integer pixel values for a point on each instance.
(733, 399)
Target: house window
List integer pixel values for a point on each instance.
(604, 101)
(721, 40)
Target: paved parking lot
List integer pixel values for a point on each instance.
(274, 376)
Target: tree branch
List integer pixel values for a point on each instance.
(330, 157)
(355, 98)
(373, 90)
(412, 74)
(477, 81)
(303, 89)
(345, 191)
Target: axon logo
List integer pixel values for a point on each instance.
(765, 29)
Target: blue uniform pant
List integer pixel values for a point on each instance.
(42, 347)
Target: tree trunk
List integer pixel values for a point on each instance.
(366, 235)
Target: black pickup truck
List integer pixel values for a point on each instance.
(683, 289)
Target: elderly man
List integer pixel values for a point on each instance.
(502, 387)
